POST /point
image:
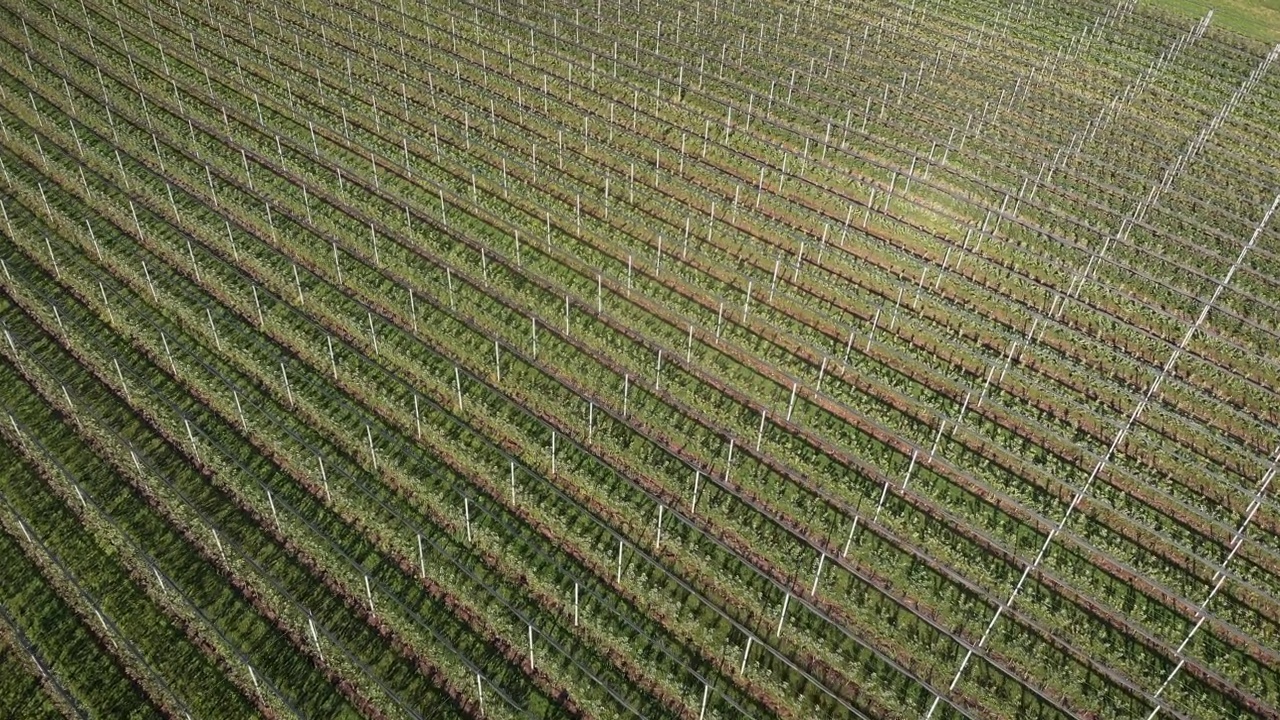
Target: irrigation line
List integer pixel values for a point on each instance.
(785, 660)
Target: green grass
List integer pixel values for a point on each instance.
(1258, 19)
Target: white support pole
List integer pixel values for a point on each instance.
(907, 478)
(457, 385)
(276, 516)
(191, 436)
(287, 390)
(297, 284)
(58, 316)
(880, 505)
(813, 590)
(150, 284)
(619, 576)
(422, 562)
(115, 361)
(982, 396)
(110, 315)
(417, 417)
(368, 591)
(262, 323)
(1012, 348)
(315, 637)
(218, 541)
(786, 601)
(324, 478)
(626, 391)
(941, 426)
(849, 540)
(57, 272)
(65, 396)
(101, 621)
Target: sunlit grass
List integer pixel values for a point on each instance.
(1259, 19)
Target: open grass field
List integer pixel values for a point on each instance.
(1257, 19)
(600, 359)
